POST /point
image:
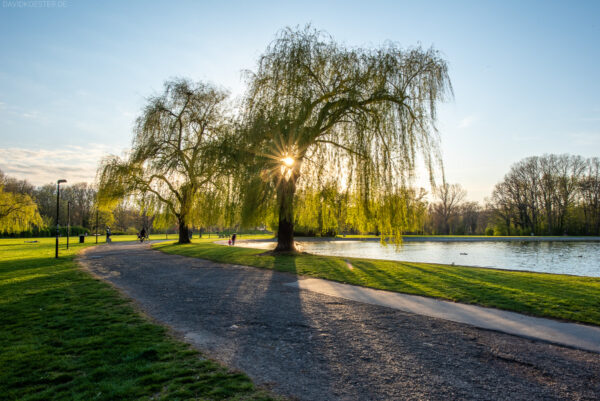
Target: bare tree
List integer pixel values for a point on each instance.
(82, 197)
(546, 194)
(450, 197)
(16, 186)
(469, 217)
(569, 171)
(502, 205)
(589, 187)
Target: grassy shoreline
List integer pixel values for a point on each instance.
(563, 297)
(470, 238)
(67, 335)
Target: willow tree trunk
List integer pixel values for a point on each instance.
(285, 232)
(187, 191)
(184, 232)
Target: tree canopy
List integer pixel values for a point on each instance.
(177, 152)
(317, 112)
(550, 194)
(18, 211)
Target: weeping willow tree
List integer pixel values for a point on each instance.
(317, 111)
(406, 205)
(178, 152)
(218, 208)
(321, 212)
(18, 212)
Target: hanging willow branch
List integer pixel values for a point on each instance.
(362, 116)
(177, 153)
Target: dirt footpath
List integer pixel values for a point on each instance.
(310, 346)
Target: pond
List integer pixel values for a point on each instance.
(580, 258)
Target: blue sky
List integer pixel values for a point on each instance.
(74, 74)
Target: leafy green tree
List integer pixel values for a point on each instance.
(163, 221)
(218, 207)
(18, 212)
(177, 152)
(320, 212)
(316, 110)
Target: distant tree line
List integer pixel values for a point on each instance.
(30, 211)
(27, 210)
(549, 195)
(543, 195)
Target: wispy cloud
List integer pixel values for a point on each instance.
(21, 113)
(520, 137)
(586, 138)
(43, 166)
(468, 121)
(33, 115)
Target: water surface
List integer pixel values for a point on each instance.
(580, 258)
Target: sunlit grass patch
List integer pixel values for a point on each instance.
(547, 295)
(65, 335)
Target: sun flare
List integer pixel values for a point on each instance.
(288, 161)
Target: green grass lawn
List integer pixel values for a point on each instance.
(65, 335)
(549, 295)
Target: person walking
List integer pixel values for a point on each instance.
(233, 239)
(108, 234)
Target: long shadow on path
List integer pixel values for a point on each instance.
(316, 347)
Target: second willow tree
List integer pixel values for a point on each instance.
(178, 153)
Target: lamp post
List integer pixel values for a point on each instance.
(96, 225)
(57, 212)
(68, 222)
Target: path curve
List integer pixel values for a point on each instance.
(312, 346)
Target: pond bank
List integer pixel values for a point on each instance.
(425, 238)
(498, 239)
(574, 257)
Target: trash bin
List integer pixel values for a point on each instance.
(81, 239)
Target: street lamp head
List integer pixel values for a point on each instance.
(61, 181)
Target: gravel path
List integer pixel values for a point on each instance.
(310, 346)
